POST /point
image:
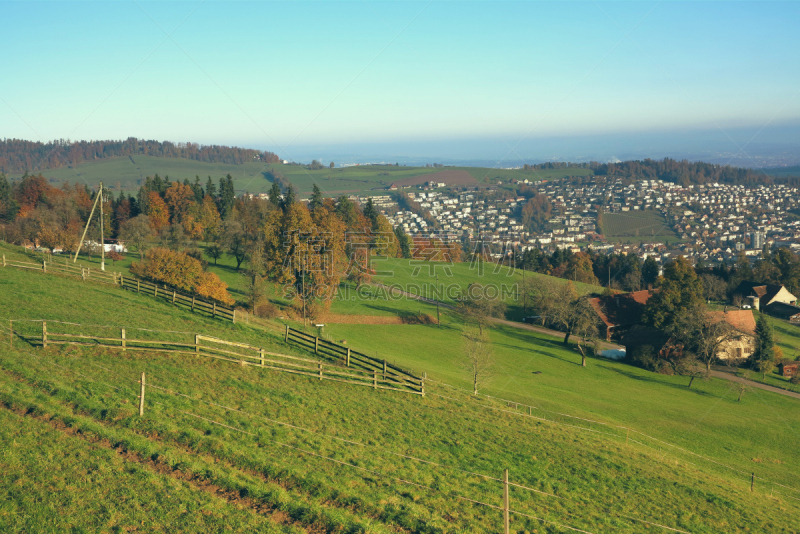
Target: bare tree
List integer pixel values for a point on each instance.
(537, 295)
(476, 306)
(701, 333)
(479, 356)
(572, 314)
(137, 232)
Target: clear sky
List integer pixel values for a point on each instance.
(280, 75)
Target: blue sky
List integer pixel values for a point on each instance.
(286, 75)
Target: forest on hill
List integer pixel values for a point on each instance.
(17, 155)
(682, 172)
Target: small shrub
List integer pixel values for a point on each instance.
(266, 310)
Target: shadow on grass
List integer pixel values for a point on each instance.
(654, 380)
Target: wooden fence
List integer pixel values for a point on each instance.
(178, 298)
(59, 333)
(353, 359)
(67, 268)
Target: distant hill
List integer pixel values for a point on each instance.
(17, 155)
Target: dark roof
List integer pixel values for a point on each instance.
(782, 310)
(762, 291)
(641, 335)
(624, 309)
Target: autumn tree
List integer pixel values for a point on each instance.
(157, 211)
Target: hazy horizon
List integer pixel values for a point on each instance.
(494, 82)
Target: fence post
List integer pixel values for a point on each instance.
(173, 298)
(155, 291)
(261, 355)
(286, 335)
(233, 316)
(44, 266)
(347, 360)
(141, 397)
(192, 303)
(4, 260)
(138, 286)
(197, 344)
(122, 336)
(384, 369)
(320, 370)
(316, 345)
(83, 274)
(506, 526)
(214, 312)
(422, 383)
(374, 379)
(44, 334)
(752, 482)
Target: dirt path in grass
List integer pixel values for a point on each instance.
(725, 373)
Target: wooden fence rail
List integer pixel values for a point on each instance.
(214, 347)
(178, 298)
(353, 359)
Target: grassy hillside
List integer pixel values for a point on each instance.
(128, 174)
(376, 482)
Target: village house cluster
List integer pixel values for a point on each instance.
(711, 223)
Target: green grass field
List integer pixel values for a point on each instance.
(128, 174)
(290, 478)
(637, 226)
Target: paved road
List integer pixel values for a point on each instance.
(726, 373)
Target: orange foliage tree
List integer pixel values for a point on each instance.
(158, 211)
(183, 272)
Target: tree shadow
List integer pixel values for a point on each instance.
(654, 380)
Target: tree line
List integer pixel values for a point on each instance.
(18, 155)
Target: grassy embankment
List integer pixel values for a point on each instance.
(592, 472)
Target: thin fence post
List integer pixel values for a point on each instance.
(4, 260)
(233, 316)
(286, 335)
(214, 312)
(122, 336)
(44, 334)
(384, 369)
(155, 291)
(422, 382)
(83, 274)
(138, 286)
(173, 298)
(197, 344)
(752, 482)
(506, 526)
(141, 397)
(192, 303)
(374, 379)
(261, 355)
(44, 266)
(347, 358)
(320, 370)
(316, 345)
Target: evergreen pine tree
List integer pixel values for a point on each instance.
(316, 198)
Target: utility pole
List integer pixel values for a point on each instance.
(102, 232)
(75, 259)
(438, 317)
